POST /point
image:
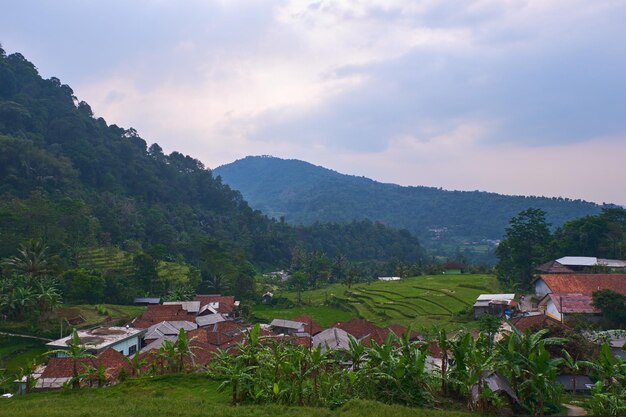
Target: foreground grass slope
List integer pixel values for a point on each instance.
(183, 396)
(424, 301)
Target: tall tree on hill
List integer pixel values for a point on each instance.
(527, 243)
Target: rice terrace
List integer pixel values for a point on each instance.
(422, 302)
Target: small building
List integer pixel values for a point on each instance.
(289, 327)
(332, 339)
(203, 321)
(267, 297)
(494, 304)
(579, 283)
(126, 340)
(582, 384)
(192, 307)
(144, 301)
(389, 278)
(499, 385)
(561, 306)
(453, 268)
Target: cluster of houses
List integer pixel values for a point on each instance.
(562, 288)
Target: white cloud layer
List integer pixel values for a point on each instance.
(499, 95)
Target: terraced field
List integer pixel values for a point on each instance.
(114, 259)
(422, 302)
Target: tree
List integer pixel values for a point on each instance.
(299, 282)
(612, 304)
(526, 244)
(31, 259)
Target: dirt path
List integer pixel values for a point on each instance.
(26, 336)
(574, 410)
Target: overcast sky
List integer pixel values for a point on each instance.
(516, 97)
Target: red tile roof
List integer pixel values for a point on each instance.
(539, 321)
(585, 283)
(358, 328)
(157, 313)
(310, 326)
(112, 361)
(573, 303)
(226, 302)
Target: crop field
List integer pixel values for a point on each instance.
(191, 395)
(422, 302)
(114, 259)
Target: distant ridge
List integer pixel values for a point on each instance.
(303, 193)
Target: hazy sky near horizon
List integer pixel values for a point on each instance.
(516, 97)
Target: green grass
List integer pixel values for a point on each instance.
(323, 315)
(421, 302)
(183, 396)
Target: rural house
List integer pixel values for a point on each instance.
(126, 340)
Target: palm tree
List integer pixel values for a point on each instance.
(31, 259)
(48, 295)
(539, 383)
(574, 366)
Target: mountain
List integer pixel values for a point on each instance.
(445, 221)
(75, 181)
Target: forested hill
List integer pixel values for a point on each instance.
(75, 181)
(304, 193)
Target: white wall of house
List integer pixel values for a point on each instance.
(541, 288)
(124, 345)
(552, 311)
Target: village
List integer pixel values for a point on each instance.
(209, 324)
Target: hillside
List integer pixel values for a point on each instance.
(304, 193)
(108, 206)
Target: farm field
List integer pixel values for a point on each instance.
(422, 302)
(184, 396)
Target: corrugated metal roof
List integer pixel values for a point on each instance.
(189, 306)
(210, 319)
(333, 338)
(578, 260)
(287, 324)
(488, 297)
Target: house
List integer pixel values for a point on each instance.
(192, 307)
(267, 297)
(560, 306)
(533, 323)
(144, 301)
(126, 340)
(310, 326)
(553, 267)
(215, 303)
(60, 371)
(158, 313)
(494, 304)
(498, 385)
(453, 267)
(167, 328)
(203, 321)
(333, 338)
(389, 278)
(582, 383)
(579, 283)
(573, 264)
(289, 327)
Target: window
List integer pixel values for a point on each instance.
(132, 349)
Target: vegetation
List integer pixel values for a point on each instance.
(118, 218)
(183, 396)
(421, 302)
(528, 242)
(444, 221)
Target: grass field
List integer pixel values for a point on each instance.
(422, 302)
(182, 396)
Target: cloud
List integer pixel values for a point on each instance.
(379, 88)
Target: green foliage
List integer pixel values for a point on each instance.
(612, 304)
(526, 244)
(301, 193)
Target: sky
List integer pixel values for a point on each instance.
(515, 97)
